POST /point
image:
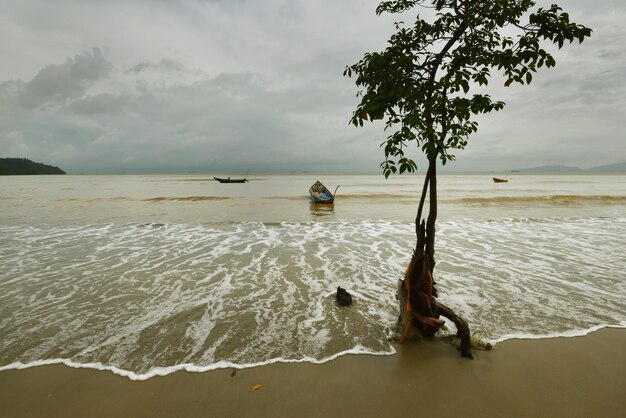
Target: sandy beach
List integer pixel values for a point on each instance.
(560, 377)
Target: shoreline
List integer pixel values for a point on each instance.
(221, 365)
(557, 377)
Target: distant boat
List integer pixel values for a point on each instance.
(320, 194)
(229, 180)
(244, 179)
(497, 180)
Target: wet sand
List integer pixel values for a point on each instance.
(560, 377)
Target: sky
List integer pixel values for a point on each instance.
(230, 86)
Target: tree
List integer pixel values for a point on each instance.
(426, 87)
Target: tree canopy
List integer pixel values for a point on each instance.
(428, 87)
(423, 83)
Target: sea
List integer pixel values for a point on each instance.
(144, 275)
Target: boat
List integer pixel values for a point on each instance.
(229, 180)
(497, 180)
(320, 194)
(243, 179)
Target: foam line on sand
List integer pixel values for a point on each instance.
(558, 377)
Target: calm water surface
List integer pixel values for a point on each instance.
(144, 275)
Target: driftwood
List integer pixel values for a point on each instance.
(419, 307)
(343, 297)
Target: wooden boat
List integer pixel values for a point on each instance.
(229, 180)
(320, 194)
(497, 180)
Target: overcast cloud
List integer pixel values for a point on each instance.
(211, 86)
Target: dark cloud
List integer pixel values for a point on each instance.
(214, 85)
(105, 103)
(68, 80)
(221, 122)
(163, 65)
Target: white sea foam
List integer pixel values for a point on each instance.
(164, 371)
(252, 293)
(143, 301)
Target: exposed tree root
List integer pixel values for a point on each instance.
(419, 306)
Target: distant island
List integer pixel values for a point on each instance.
(611, 168)
(20, 166)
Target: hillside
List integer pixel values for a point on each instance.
(611, 168)
(550, 169)
(20, 166)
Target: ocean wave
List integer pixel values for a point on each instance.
(148, 298)
(382, 196)
(136, 199)
(365, 196)
(557, 199)
(185, 198)
(349, 201)
(193, 368)
(164, 371)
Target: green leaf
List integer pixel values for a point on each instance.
(420, 84)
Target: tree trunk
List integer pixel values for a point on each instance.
(419, 308)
